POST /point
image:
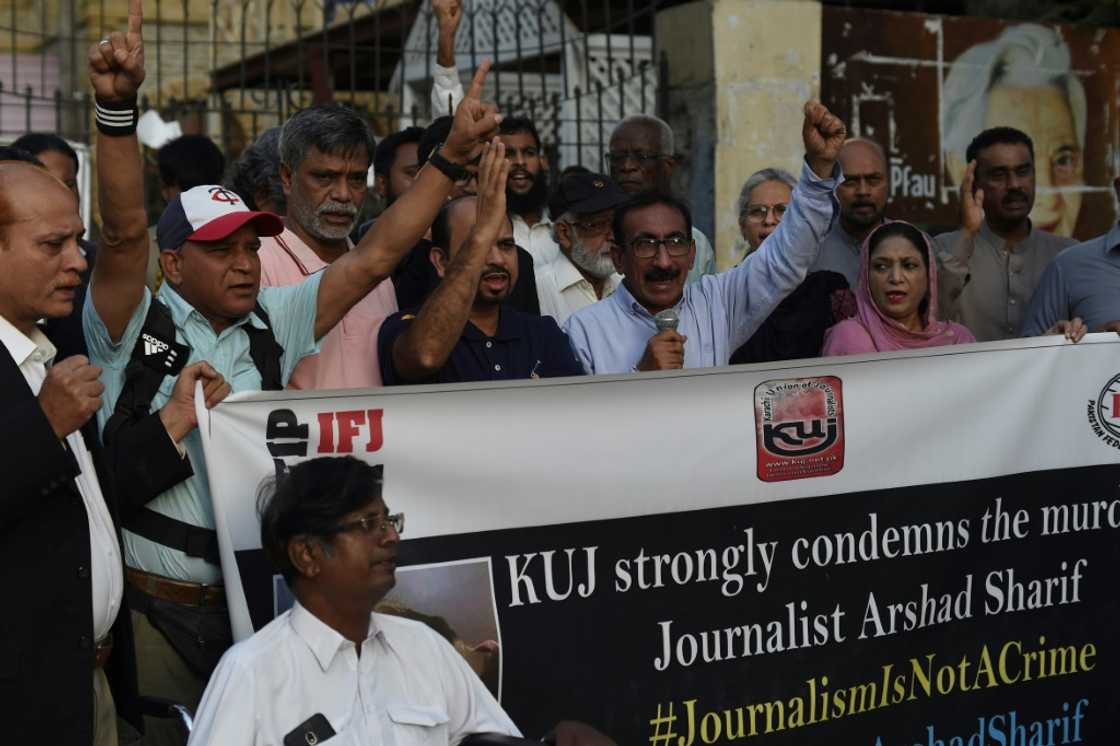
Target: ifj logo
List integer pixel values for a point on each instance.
(799, 425)
(1104, 413)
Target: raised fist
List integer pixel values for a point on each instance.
(71, 394)
(824, 134)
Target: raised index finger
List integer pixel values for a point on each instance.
(475, 90)
(135, 16)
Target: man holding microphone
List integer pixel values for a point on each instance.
(654, 251)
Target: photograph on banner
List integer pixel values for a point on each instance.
(923, 86)
(935, 579)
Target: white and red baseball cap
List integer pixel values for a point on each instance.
(210, 213)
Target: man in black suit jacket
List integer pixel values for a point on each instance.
(53, 507)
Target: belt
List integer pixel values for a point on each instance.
(102, 651)
(176, 591)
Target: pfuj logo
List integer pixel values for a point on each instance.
(1104, 413)
(799, 425)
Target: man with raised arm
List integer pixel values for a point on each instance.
(654, 250)
(211, 307)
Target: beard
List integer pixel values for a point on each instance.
(600, 266)
(533, 200)
(311, 219)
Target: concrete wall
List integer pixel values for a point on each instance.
(740, 72)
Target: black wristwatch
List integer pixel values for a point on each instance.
(453, 171)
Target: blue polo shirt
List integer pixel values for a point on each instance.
(1084, 280)
(525, 346)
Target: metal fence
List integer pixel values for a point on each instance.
(232, 68)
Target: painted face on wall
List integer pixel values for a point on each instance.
(1044, 113)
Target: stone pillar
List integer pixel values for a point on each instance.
(739, 73)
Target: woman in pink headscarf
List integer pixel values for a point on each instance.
(896, 298)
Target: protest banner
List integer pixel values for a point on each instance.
(916, 548)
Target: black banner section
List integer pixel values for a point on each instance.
(964, 614)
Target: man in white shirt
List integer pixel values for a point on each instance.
(584, 273)
(331, 667)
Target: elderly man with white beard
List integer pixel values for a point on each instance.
(584, 273)
(325, 154)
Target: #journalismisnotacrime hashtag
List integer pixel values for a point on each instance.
(662, 727)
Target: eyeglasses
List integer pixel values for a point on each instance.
(647, 248)
(758, 213)
(618, 159)
(373, 525)
(594, 228)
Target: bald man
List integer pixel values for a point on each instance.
(642, 160)
(863, 200)
(59, 547)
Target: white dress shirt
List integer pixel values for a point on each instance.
(409, 687)
(34, 355)
(563, 290)
(536, 239)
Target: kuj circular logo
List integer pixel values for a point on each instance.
(1108, 407)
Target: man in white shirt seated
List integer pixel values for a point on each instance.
(584, 273)
(330, 667)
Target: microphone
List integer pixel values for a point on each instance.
(666, 320)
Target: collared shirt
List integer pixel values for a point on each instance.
(291, 311)
(840, 254)
(705, 263)
(536, 239)
(1000, 282)
(563, 289)
(347, 356)
(33, 355)
(720, 312)
(408, 687)
(1083, 281)
(524, 346)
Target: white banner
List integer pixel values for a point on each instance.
(556, 493)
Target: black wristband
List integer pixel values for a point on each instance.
(116, 118)
(453, 171)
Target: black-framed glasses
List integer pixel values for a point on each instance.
(373, 525)
(615, 159)
(647, 247)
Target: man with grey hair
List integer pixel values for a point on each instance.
(1022, 79)
(863, 199)
(760, 207)
(642, 159)
(256, 174)
(325, 153)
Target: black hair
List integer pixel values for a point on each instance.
(648, 199)
(436, 133)
(516, 125)
(257, 170)
(573, 169)
(332, 128)
(386, 152)
(43, 142)
(189, 161)
(11, 153)
(441, 226)
(998, 136)
(310, 500)
(900, 229)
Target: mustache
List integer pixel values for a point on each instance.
(862, 204)
(1015, 194)
(659, 274)
(340, 208)
(521, 171)
(492, 269)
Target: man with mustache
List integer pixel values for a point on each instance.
(642, 159)
(527, 192)
(212, 300)
(654, 250)
(325, 153)
(466, 331)
(998, 255)
(863, 199)
(584, 205)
